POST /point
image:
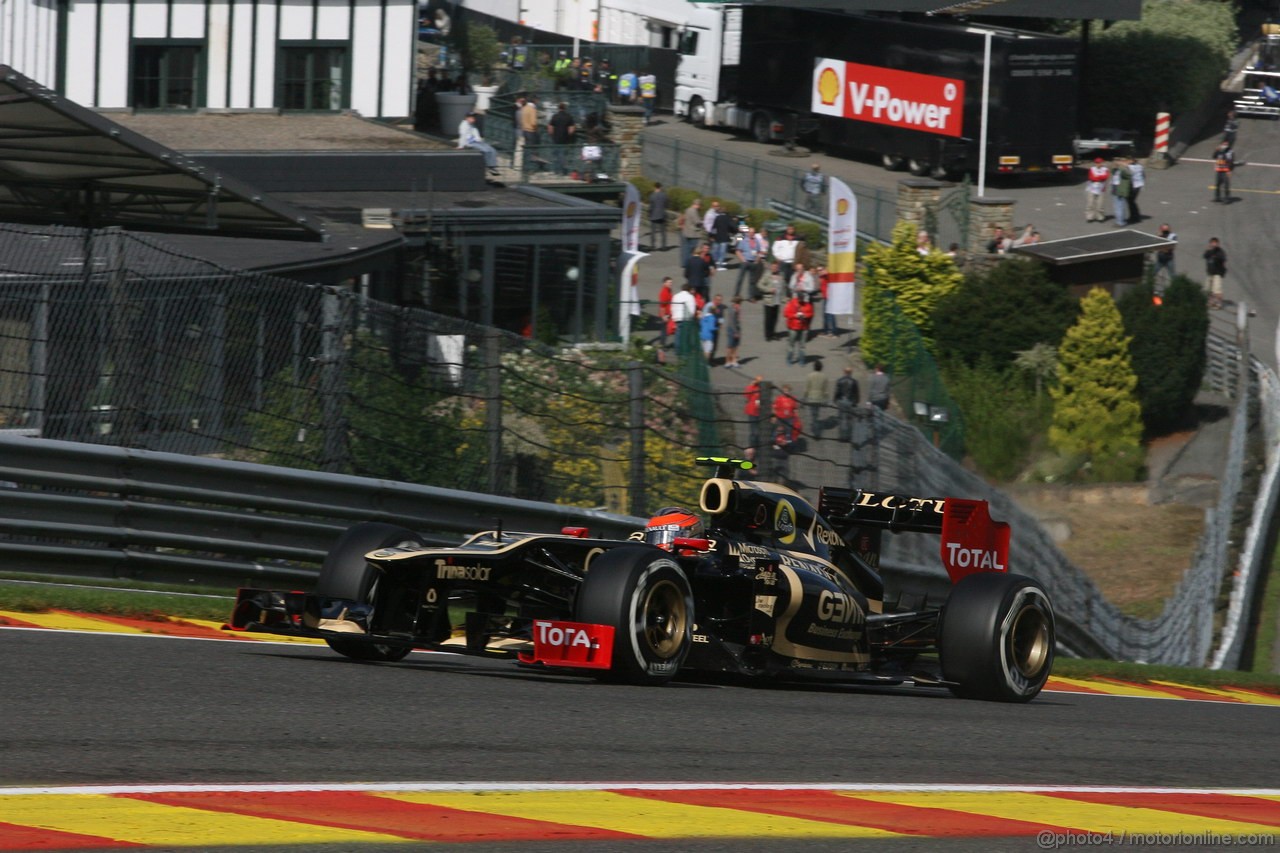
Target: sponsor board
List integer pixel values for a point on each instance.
(575, 644)
(888, 96)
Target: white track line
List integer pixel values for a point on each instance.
(635, 786)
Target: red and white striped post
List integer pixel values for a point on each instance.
(1162, 136)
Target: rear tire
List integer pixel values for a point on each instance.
(919, 168)
(346, 574)
(996, 640)
(893, 162)
(761, 127)
(644, 594)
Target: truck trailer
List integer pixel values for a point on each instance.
(908, 92)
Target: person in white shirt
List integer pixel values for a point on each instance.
(684, 306)
(469, 137)
(784, 251)
(1139, 173)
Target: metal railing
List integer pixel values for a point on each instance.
(72, 508)
(754, 182)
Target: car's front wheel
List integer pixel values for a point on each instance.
(997, 637)
(644, 594)
(347, 575)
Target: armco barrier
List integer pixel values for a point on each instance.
(73, 508)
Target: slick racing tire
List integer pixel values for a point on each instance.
(645, 596)
(346, 574)
(996, 638)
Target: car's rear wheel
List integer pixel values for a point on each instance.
(644, 594)
(919, 168)
(698, 112)
(761, 126)
(347, 575)
(997, 637)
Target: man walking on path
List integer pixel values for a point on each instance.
(751, 251)
(1121, 189)
(878, 389)
(846, 402)
(1139, 175)
(774, 294)
(698, 272)
(1095, 188)
(1224, 160)
(690, 231)
(799, 314)
(1165, 267)
(817, 390)
(657, 217)
(1215, 267)
(813, 183)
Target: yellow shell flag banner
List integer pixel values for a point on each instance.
(842, 247)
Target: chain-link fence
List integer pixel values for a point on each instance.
(756, 182)
(113, 339)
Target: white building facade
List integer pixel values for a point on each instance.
(181, 55)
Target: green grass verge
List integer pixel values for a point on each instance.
(126, 598)
(1264, 643)
(132, 599)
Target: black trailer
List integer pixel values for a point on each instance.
(909, 92)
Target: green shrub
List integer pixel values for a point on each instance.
(1095, 407)
(814, 234)
(645, 187)
(679, 198)
(1170, 60)
(1007, 310)
(1167, 350)
(757, 217)
(898, 275)
(1002, 416)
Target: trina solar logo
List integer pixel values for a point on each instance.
(885, 96)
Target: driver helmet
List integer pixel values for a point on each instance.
(670, 523)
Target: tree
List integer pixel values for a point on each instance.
(1170, 60)
(1096, 414)
(897, 278)
(1167, 350)
(1011, 308)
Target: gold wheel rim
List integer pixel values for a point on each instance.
(666, 617)
(1029, 642)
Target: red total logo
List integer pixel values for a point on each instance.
(886, 96)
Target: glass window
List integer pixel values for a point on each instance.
(313, 77)
(689, 43)
(168, 76)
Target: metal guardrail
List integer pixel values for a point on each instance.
(73, 508)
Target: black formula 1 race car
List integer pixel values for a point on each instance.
(770, 587)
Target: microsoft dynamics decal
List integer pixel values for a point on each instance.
(885, 96)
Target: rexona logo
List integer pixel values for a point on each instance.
(784, 522)
(444, 571)
(885, 96)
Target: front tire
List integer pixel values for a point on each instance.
(698, 112)
(347, 575)
(644, 594)
(893, 162)
(996, 640)
(919, 168)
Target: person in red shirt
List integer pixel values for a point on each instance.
(799, 314)
(665, 323)
(786, 418)
(752, 411)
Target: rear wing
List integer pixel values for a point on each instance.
(971, 541)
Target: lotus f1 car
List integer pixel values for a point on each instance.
(771, 587)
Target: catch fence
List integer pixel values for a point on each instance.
(114, 339)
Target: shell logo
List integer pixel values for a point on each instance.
(842, 206)
(631, 210)
(828, 86)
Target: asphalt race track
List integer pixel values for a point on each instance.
(82, 709)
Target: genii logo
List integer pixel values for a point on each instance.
(886, 96)
(784, 522)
